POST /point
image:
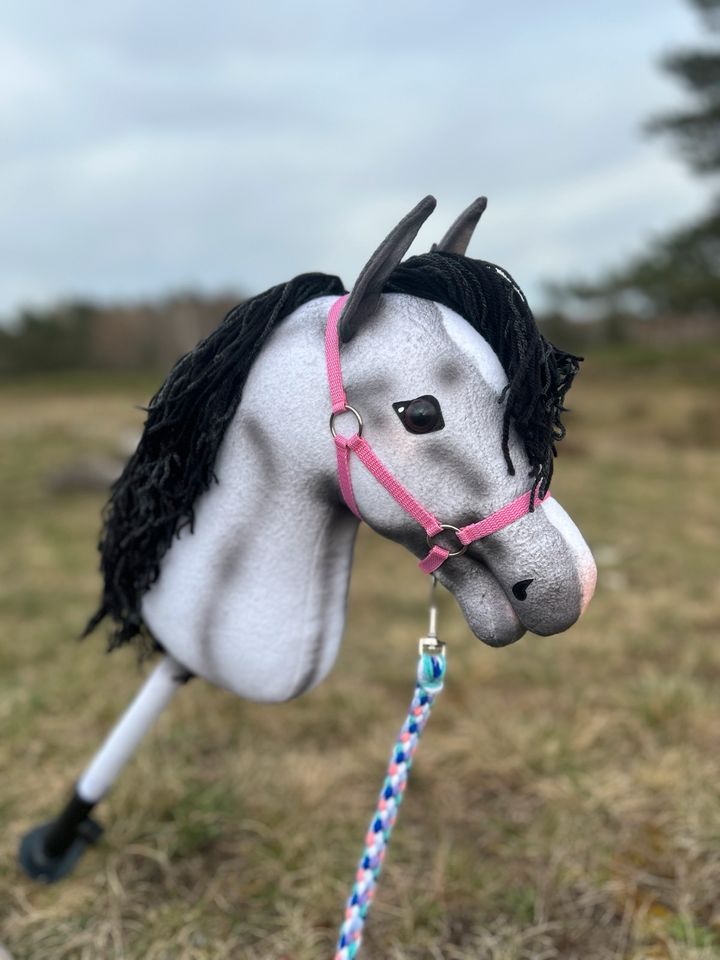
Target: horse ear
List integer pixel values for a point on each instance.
(365, 294)
(458, 237)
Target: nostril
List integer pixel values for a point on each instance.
(520, 589)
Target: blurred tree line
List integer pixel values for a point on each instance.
(85, 336)
(670, 291)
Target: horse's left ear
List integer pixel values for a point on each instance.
(458, 237)
(365, 294)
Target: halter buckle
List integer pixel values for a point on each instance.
(339, 413)
(456, 531)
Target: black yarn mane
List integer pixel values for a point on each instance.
(154, 498)
(539, 373)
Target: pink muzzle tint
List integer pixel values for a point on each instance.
(345, 446)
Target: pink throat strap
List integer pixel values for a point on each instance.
(345, 446)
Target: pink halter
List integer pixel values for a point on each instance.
(344, 446)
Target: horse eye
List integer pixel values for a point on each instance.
(421, 415)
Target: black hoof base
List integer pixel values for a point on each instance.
(37, 864)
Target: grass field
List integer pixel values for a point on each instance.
(566, 798)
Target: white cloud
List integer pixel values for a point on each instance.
(147, 147)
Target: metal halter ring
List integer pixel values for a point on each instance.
(348, 409)
(455, 530)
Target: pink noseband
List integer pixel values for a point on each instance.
(344, 446)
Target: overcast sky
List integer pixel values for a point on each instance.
(156, 146)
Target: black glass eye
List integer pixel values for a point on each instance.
(421, 415)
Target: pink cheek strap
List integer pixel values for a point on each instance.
(356, 444)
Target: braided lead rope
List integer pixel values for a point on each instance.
(430, 678)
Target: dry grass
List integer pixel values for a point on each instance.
(565, 799)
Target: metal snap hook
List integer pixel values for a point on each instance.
(430, 644)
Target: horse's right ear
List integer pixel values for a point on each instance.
(458, 237)
(369, 285)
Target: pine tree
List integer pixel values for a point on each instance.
(697, 131)
(680, 274)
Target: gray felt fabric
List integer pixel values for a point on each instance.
(458, 237)
(366, 292)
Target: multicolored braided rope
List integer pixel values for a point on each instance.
(430, 678)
